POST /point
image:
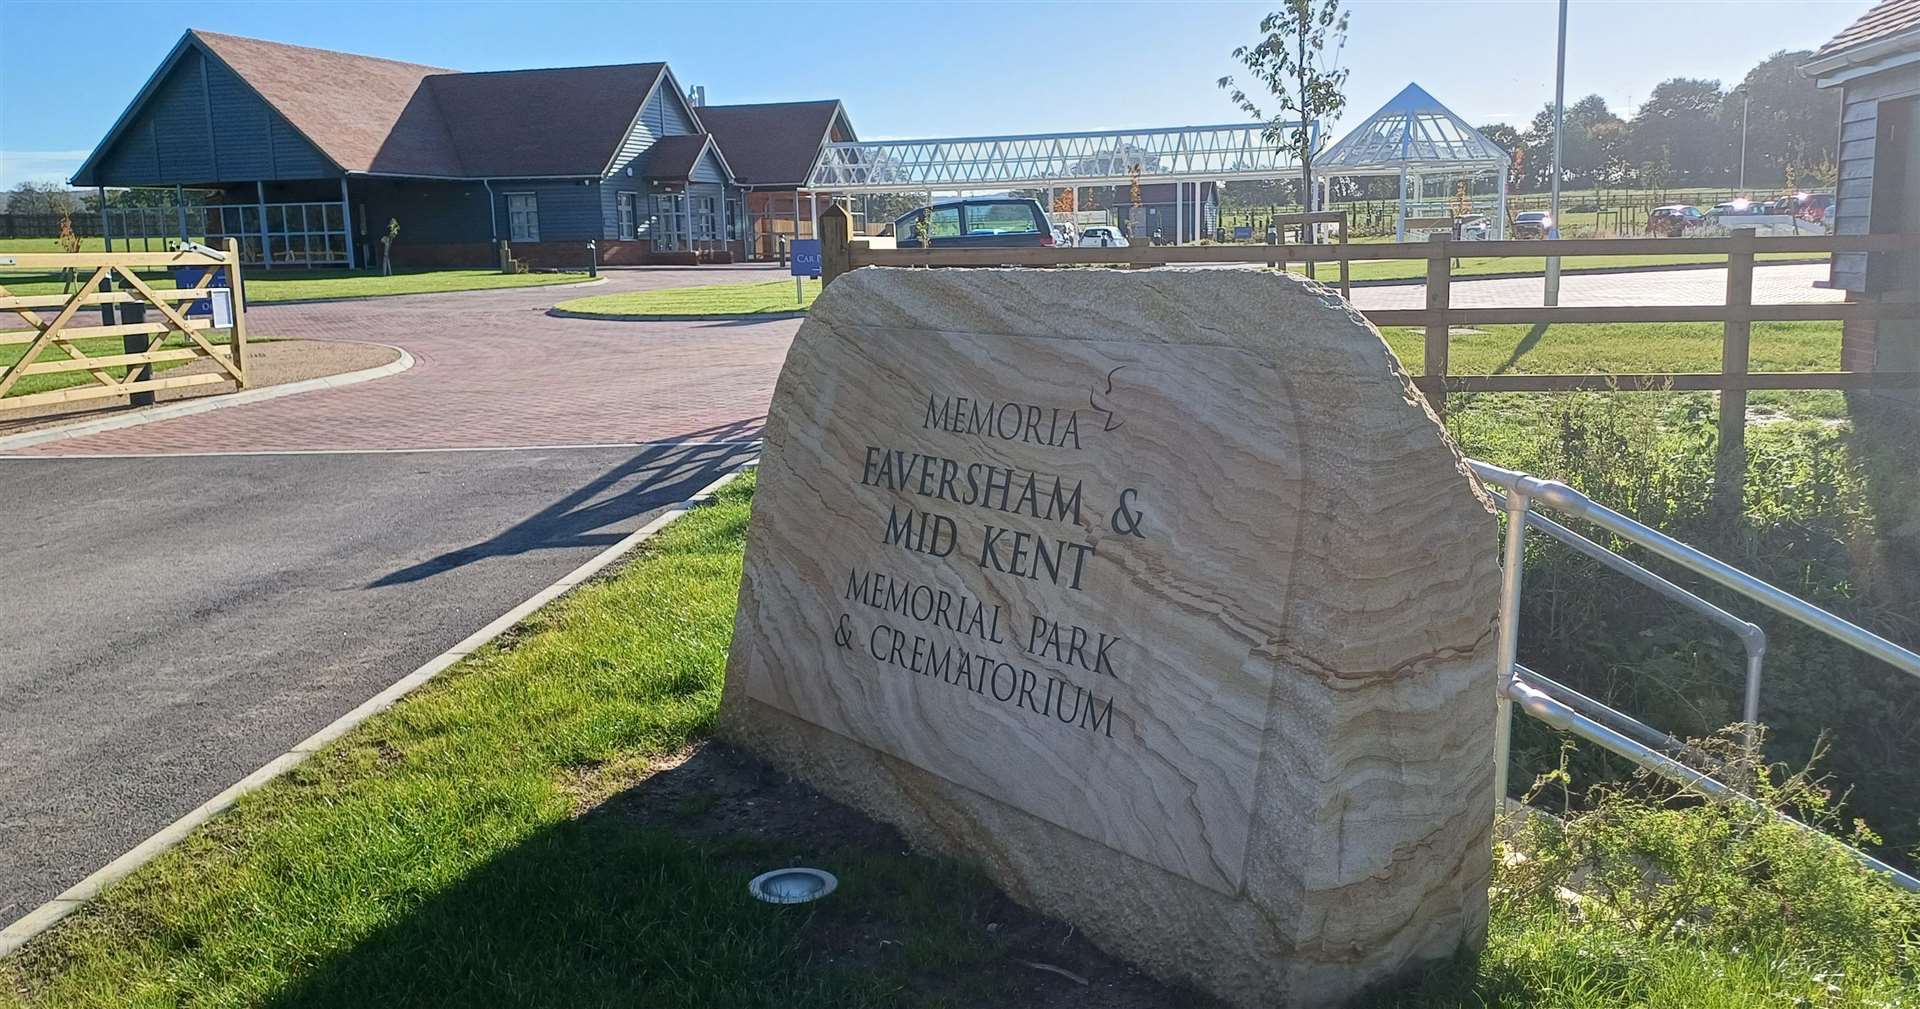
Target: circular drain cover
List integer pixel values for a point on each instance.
(792, 886)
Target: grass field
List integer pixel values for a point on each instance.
(305, 285)
(454, 851)
(29, 384)
(759, 298)
(291, 283)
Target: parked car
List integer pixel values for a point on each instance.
(1100, 236)
(984, 223)
(1807, 206)
(1532, 224)
(1735, 208)
(1475, 228)
(1674, 220)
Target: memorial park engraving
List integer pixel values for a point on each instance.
(1159, 595)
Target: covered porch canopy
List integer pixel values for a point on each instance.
(1413, 136)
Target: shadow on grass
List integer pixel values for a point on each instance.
(1526, 344)
(643, 901)
(656, 476)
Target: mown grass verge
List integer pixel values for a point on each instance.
(298, 284)
(765, 297)
(98, 347)
(456, 851)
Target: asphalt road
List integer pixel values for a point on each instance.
(169, 624)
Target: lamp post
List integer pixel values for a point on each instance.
(1551, 296)
(1745, 101)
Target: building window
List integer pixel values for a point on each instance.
(627, 228)
(523, 217)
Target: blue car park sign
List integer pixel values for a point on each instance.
(1243, 231)
(806, 257)
(219, 302)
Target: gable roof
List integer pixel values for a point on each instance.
(773, 143)
(1883, 20)
(674, 157)
(372, 115)
(564, 121)
(360, 111)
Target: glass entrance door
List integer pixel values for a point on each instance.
(669, 222)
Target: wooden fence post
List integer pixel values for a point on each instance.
(1346, 278)
(1439, 295)
(836, 238)
(238, 341)
(1730, 462)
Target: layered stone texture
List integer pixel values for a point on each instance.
(1160, 595)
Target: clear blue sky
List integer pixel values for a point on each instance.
(912, 69)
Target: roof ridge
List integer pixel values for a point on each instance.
(547, 70)
(203, 34)
(761, 105)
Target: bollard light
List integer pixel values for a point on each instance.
(792, 886)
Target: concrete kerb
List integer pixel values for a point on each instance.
(204, 404)
(16, 934)
(561, 313)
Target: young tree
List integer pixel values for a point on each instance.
(1790, 123)
(1681, 124)
(1293, 63)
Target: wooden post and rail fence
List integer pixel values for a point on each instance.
(144, 343)
(841, 251)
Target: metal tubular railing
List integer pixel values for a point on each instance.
(1573, 502)
(1533, 692)
(1752, 638)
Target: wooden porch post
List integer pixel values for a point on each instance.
(836, 248)
(266, 245)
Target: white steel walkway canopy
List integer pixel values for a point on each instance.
(1414, 134)
(1102, 158)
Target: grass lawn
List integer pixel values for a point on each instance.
(456, 851)
(758, 298)
(28, 384)
(293, 284)
(1628, 348)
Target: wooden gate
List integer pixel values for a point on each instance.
(185, 317)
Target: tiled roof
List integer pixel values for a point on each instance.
(365, 113)
(772, 144)
(674, 157)
(565, 121)
(375, 115)
(1883, 20)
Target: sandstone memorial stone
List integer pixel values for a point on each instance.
(1159, 595)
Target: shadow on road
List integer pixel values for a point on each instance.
(656, 476)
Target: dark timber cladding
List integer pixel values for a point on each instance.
(772, 147)
(307, 153)
(1875, 63)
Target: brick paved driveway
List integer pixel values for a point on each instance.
(493, 370)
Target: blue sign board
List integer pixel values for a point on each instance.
(189, 276)
(806, 257)
(1243, 232)
(218, 305)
